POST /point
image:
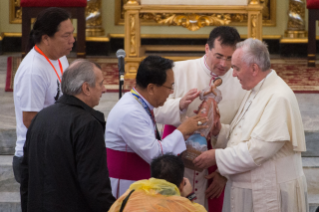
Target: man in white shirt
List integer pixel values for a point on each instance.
(131, 136)
(38, 78)
(191, 77)
(264, 141)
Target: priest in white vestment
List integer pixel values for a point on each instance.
(264, 141)
(191, 77)
(131, 136)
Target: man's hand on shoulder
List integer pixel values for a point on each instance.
(188, 98)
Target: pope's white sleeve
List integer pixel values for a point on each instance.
(234, 160)
(261, 151)
(138, 134)
(245, 156)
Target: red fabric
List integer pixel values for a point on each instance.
(313, 4)
(127, 165)
(168, 129)
(53, 3)
(216, 204)
(9, 86)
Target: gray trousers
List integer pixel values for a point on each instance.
(16, 165)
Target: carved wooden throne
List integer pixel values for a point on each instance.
(191, 16)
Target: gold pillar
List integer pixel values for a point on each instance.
(296, 20)
(93, 18)
(132, 42)
(254, 20)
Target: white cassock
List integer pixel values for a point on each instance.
(195, 74)
(263, 154)
(131, 143)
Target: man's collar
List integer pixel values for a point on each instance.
(148, 104)
(257, 87)
(73, 101)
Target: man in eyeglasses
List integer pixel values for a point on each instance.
(191, 77)
(131, 136)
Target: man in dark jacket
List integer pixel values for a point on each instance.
(64, 165)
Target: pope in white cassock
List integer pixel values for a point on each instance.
(264, 141)
(131, 136)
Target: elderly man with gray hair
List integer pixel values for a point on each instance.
(64, 164)
(264, 141)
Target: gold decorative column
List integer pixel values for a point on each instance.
(93, 19)
(296, 20)
(254, 20)
(132, 42)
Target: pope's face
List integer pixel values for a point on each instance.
(242, 71)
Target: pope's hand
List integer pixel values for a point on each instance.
(188, 98)
(205, 160)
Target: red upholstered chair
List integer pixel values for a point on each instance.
(31, 8)
(313, 13)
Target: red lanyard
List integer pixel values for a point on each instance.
(61, 69)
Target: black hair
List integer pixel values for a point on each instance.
(47, 23)
(153, 70)
(228, 36)
(168, 167)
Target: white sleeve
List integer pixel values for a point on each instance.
(263, 150)
(32, 90)
(234, 160)
(245, 156)
(138, 133)
(169, 113)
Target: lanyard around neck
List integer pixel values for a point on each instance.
(61, 69)
(148, 110)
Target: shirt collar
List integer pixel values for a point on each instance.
(148, 104)
(258, 86)
(73, 101)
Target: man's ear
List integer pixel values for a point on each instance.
(206, 48)
(86, 89)
(150, 88)
(181, 186)
(255, 69)
(45, 40)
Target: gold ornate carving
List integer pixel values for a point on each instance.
(15, 12)
(254, 26)
(133, 36)
(192, 22)
(296, 15)
(93, 18)
(296, 20)
(269, 14)
(254, 2)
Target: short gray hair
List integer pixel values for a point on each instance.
(79, 72)
(255, 51)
